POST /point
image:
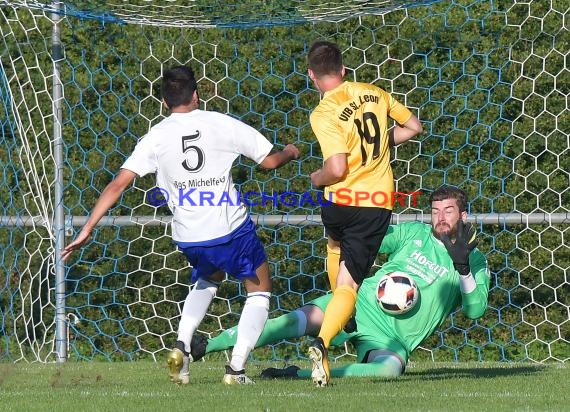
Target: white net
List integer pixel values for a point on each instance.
(489, 82)
(217, 13)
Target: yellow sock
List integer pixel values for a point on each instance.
(333, 264)
(338, 312)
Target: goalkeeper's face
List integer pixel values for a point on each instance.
(444, 217)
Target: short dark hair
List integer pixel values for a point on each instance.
(178, 86)
(324, 58)
(450, 192)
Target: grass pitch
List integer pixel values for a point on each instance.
(144, 386)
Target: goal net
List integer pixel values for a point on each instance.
(79, 84)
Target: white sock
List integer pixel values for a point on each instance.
(195, 306)
(251, 323)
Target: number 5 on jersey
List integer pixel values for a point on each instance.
(194, 155)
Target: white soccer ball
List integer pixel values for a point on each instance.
(397, 293)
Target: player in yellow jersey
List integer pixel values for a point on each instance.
(352, 126)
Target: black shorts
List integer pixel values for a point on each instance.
(360, 231)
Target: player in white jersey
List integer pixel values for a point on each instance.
(192, 152)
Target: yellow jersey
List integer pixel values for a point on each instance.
(353, 119)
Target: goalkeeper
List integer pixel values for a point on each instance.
(443, 261)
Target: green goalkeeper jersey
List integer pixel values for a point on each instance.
(413, 249)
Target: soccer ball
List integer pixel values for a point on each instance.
(397, 293)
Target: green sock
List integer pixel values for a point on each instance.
(389, 367)
(284, 327)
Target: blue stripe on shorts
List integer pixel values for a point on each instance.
(239, 256)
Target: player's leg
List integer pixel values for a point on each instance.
(380, 363)
(300, 322)
(252, 321)
(340, 307)
(333, 261)
(194, 309)
(361, 231)
(248, 262)
(343, 301)
(338, 313)
(381, 357)
(283, 327)
(333, 266)
(312, 315)
(379, 354)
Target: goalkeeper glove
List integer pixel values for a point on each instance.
(465, 242)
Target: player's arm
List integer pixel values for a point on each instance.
(253, 145)
(333, 144)
(108, 198)
(408, 125)
(475, 286)
(402, 133)
(333, 171)
(472, 268)
(276, 159)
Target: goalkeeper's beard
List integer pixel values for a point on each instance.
(451, 232)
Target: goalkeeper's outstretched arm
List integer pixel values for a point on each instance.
(475, 286)
(471, 266)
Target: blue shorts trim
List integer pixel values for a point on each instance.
(239, 256)
(244, 228)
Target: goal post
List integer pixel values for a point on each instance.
(79, 84)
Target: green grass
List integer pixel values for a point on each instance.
(143, 386)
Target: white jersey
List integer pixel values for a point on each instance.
(192, 155)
